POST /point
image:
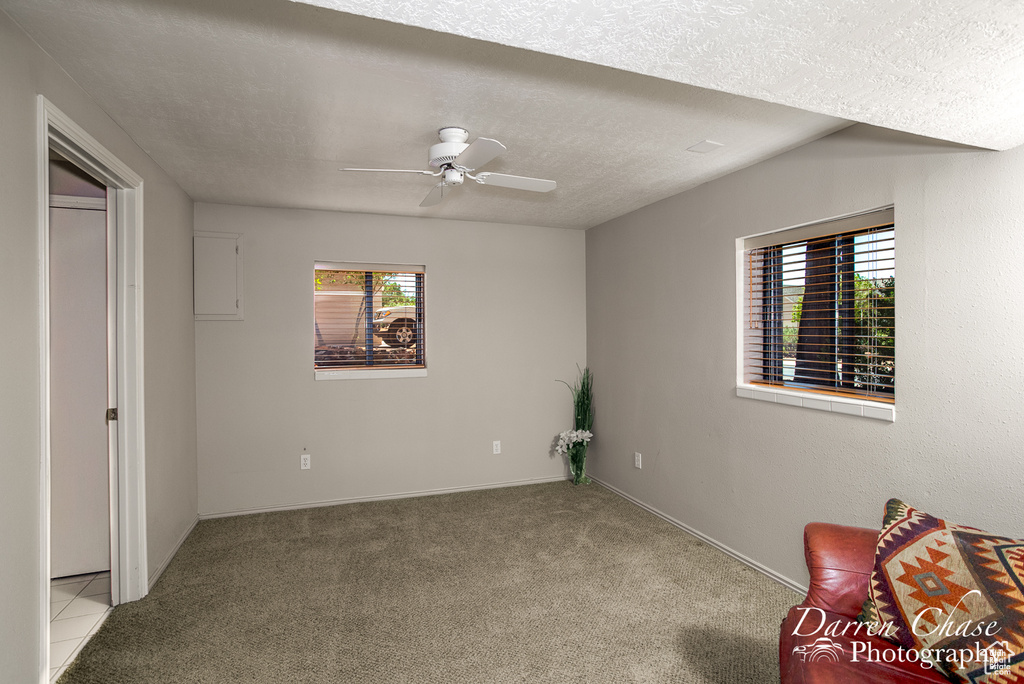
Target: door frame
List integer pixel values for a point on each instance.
(129, 567)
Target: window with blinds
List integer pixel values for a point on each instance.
(368, 317)
(820, 313)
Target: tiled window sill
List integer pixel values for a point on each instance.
(368, 374)
(820, 402)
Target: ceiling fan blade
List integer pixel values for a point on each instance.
(422, 173)
(434, 196)
(504, 180)
(480, 151)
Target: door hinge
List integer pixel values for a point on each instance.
(111, 414)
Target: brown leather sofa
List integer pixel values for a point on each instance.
(817, 642)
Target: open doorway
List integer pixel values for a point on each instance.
(83, 382)
(92, 242)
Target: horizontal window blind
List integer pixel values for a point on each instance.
(368, 318)
(820, 312)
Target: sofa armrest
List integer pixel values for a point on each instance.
(839, 560)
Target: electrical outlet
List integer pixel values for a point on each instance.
(304, 461)
(636, 459)
(497, 446)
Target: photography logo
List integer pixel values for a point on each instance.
(996, 658)
(822, 649)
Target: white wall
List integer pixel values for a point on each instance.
(26, 71)
(505, 311)
(661, 340)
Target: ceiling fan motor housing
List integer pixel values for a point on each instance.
(453, 142)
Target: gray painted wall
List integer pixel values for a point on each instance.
(505, 307)
(661, 340)
(26, 71)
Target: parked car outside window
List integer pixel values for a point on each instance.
(396, 325)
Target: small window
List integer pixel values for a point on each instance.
(820, 303)
(368, 317)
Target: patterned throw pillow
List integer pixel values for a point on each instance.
(953, 593)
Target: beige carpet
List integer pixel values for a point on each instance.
(542, 583)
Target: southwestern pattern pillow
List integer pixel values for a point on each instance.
(953, 593)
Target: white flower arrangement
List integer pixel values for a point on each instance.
(574, 442)
(570, 438)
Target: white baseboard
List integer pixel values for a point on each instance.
(764, 570)
(167, 560)
(384, 497)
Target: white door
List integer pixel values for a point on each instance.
(79, 379)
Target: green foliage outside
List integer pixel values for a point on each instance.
(875, 325)
(387, 285)
(875, 308)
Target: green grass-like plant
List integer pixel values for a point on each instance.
(583, 419)
(583, 401)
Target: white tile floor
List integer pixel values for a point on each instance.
(78, 606)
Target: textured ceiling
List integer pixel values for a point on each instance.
(260, 102)
(947, 70)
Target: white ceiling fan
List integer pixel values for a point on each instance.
(456, 160)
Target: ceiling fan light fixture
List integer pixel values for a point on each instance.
(453, 177)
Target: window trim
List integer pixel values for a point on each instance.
(816, 399)
(363, 372)
(367, 374)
